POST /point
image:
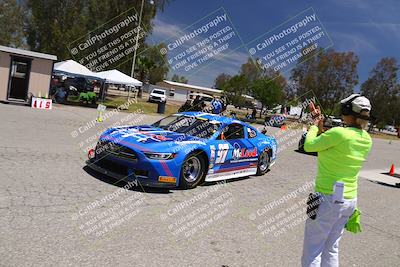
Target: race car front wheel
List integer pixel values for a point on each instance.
(263, 162)
(193, 170)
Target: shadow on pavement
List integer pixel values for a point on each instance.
(230, 180)
(397, 185)
(306, 153)
(112, 181)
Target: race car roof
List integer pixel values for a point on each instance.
(212, 117)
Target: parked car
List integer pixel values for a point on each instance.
(158, 95)
(301, 145)
(206, 98)
(337, 122)
(275, 120)
(203, 101)
(390, 128)
(327, 125)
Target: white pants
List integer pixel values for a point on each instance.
(322, 235)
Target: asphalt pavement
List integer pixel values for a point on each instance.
(55, 212)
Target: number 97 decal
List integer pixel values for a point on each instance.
(221, 153)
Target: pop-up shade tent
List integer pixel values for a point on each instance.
(117, 77)
(73, 68)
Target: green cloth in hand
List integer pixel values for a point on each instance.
(354, 225)
(83, 97)
(91, 95)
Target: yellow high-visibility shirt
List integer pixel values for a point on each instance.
(341, 153)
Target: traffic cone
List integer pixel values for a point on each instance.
(391, 172)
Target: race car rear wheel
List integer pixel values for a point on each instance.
(263, 162)
(193, 170)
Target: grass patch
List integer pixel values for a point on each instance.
(384, 136)
(112, 102)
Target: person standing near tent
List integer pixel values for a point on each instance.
(341, 153)
(254, 114)
(223, 102)
(196, 103)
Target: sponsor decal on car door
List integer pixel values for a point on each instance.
(244, 153)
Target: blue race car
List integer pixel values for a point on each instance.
(183, 150)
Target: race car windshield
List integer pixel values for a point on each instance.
(194, 126)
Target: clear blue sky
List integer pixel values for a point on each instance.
(369, 28)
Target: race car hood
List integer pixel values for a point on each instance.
(149, 138)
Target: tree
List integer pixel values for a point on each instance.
(234, 88)
(382, 89)
(179, 79)
(143, 68)
(221, 80)
(329, 74)
(395, 108)
(268, 92)
(243, 83)
(12, 23)
(152, 66)
(53, 25)
(271, 74)
(290, 90)
(161, 66)
(251, 70)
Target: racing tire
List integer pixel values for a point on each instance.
(263, 162)
(193, 171)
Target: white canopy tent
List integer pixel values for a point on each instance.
(117, 77)
(73, 68)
